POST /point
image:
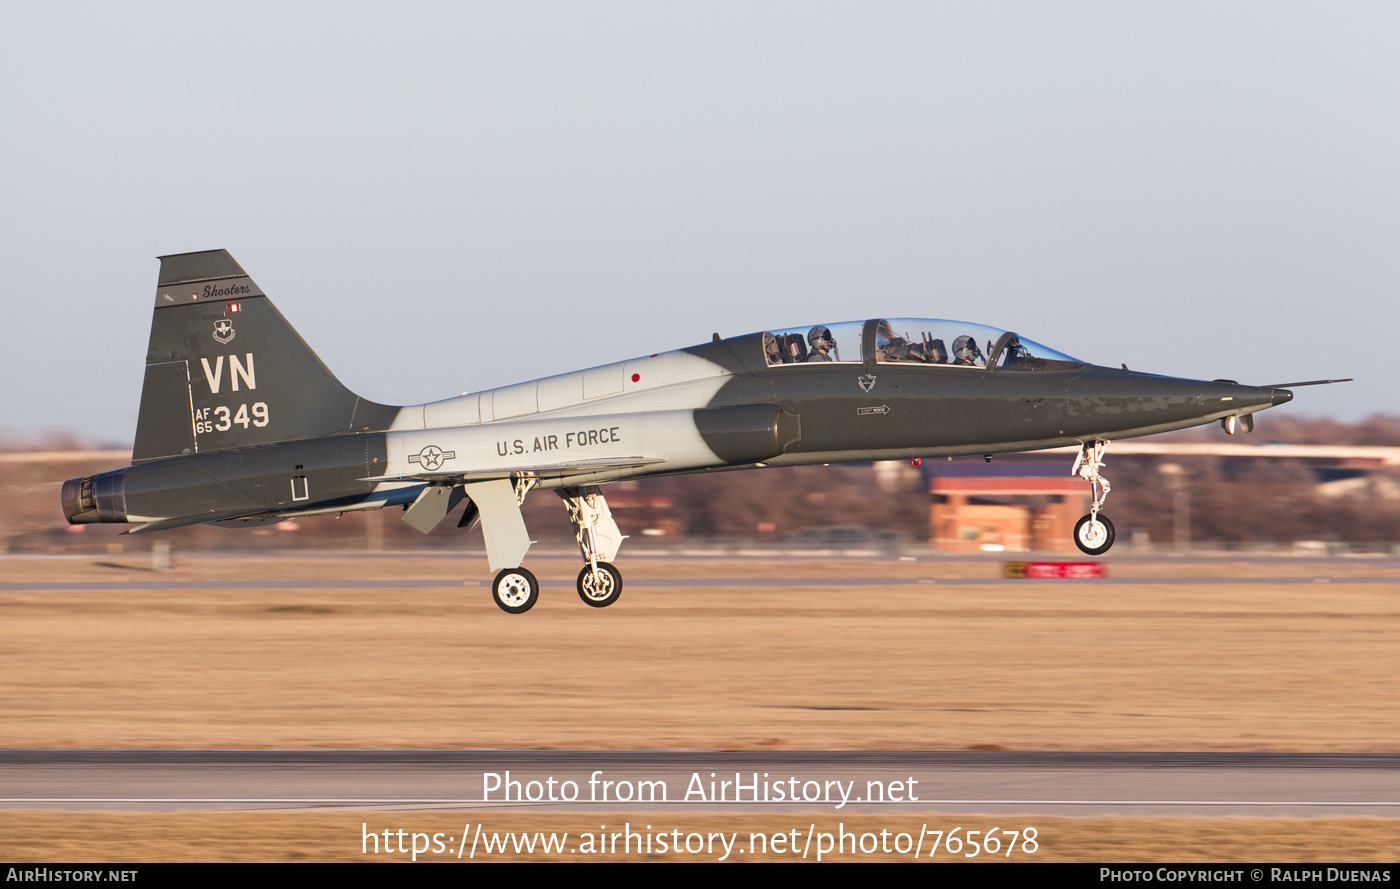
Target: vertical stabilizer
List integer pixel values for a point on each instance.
(224, 369)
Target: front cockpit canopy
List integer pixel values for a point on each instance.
(912, 341)
(838, 343)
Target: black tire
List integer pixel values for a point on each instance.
(1089, 542)
(515, 590)
(600, 597)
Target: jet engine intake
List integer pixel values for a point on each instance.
(748, 433)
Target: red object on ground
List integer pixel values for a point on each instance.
(1056, 570)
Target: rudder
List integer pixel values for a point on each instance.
(224, 369)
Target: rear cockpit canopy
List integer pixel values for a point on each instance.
(912, 341)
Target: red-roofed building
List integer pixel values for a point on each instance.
(1015, 506)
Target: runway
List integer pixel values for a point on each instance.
(1064, 783)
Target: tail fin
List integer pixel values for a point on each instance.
(224, 369)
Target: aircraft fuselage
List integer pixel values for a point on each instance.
(737, 418)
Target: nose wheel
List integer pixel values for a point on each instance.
(599, 584)
(515, 590)
(1093, 534)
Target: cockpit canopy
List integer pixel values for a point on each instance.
(912, 341)
(808, 345)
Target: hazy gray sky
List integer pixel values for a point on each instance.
(449, 197)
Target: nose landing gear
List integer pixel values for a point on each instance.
(1093, 534)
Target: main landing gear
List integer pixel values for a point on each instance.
(1093, 534)
(599, 583)
(515, 590)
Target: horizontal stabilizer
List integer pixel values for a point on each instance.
(183, 521)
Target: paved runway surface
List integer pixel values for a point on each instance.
(991, 782)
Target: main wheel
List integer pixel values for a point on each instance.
(515, 590)
(599, 590)
(1093, 537)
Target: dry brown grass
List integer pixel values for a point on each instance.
(54, 837)
(1017, 665)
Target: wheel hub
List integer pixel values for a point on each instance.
(1093, 534)
(598, 585)
(515, 590)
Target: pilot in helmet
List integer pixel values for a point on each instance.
(965, 352)
(822, 343)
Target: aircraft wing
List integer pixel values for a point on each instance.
(553, 469)
(494, 500)
(547, 469)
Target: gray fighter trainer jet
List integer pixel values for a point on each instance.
(241, 423)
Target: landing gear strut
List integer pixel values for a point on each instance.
(496, 503)
(1093, 534)
(599, 583)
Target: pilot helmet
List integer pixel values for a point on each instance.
(965, 350)
(819, 337)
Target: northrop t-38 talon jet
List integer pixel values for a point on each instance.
(241, 423)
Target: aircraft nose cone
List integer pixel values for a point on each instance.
(1280, 396)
